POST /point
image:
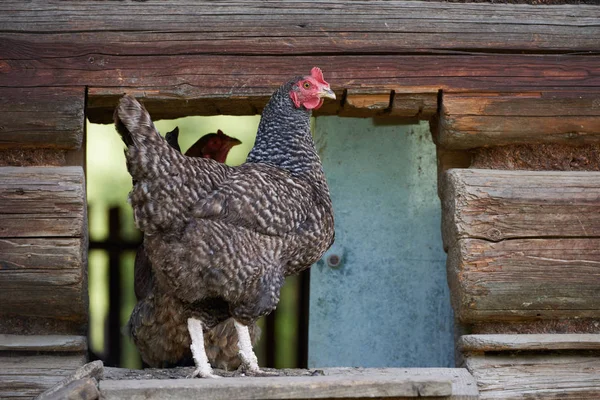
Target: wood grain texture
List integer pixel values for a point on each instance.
(195, 54)
(43, 244)
(308, 27)
(42, 202)
(42, 117)
(496, 205)
(61, 343)
(25, 375)
(493, 119)
(531, 342)
(524, 279)
(463, 384)
(533, 376)
(368, 385)
(43, 278)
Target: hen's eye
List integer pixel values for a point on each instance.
(306, 85)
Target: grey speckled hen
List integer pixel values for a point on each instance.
(222, 239)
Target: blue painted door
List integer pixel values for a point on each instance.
(387, 302)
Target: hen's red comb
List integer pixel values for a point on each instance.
(318, 75)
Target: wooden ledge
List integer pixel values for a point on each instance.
(68, 343)
(335, 383)
(529, 342)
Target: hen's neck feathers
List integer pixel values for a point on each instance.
(284, 139)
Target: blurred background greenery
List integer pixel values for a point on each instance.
(108, 184)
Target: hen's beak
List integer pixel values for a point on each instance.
(326, 92)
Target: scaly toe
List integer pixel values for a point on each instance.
(199, 373)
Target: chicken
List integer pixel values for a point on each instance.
(212, 145)
(222, 239)
(221, 341)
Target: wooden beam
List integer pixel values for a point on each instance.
(368, 383)
(42, 202)
(370, 103)
(497, 205)
(62, 343)
(154, 28)
(42, 117)
(43, 278)
(495, 119)
(419, 105)
(532, 342)
(26, 375)
(524, 279)
(537, 376)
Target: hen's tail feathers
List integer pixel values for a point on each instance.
(133, 122)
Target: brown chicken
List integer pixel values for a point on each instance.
(211, 145)
(222, 239)
(221, 341)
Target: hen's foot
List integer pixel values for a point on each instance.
(203, 368)
(242, 371)
(202, 373)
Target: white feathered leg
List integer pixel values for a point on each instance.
(245, 344)
(203, 368)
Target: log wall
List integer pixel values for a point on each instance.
(496, 81)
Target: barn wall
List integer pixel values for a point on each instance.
(490, 75)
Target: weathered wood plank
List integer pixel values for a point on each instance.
(531, 342)
(420, 105)
(300, 387)
(92, 371)
(42, 202)
(42, 117)
(462, 383)
(191, 83)
(293, 27)
(496, 205)
(366, 103)
(544, 376)
(524, 279)
(27, 375)
(493, 119)
(43, 278)
(61, 343)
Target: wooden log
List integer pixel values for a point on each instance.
(80, 389)
(482, 120)
(287, 28)
(375, 384)
(498, 205)
(536, 376)
(62, 343)
(366, 103)
(524, 279)
(200, 79)
(43, 243)
(25, 375)
(92, 371)
(42, 202)
(42, 117)
(419, 105)
(532, 342)
(43, 278)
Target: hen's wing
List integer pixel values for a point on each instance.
(264, 199)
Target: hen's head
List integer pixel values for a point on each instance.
(309, 91)
(213, 145)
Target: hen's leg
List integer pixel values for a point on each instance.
(247, 355)
(203, 368)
